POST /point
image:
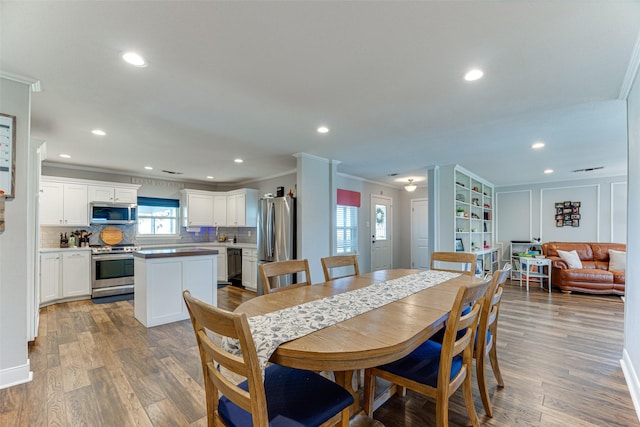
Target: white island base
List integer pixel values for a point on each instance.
(161, 276)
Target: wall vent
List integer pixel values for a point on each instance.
(589, 169)
(172, 172)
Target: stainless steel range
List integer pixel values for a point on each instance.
(112, 270)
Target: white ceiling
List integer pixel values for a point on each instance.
(255, 79)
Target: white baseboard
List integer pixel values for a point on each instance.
(15, 375)
(633, 382)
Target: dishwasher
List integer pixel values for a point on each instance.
(234, 266)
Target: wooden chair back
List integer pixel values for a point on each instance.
(338, 261)
(271, 273)
(205, 317)
(467, 261)
(487, 335)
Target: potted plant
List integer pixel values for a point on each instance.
(460, 212)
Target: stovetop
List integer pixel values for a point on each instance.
(97, 249)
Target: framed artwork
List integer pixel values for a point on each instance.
(567, 214)
(459, 245)
(7, 155)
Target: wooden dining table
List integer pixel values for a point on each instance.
(376, 337)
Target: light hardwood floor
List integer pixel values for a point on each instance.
(95, 365)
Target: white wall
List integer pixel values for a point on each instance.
(15, 99)
(528, 211)
(631, 352)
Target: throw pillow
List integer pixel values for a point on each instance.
(571, 258)
(617, 260)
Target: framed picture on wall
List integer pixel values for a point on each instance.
(7, 155)
(459, 245)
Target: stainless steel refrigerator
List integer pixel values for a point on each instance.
(276, 234)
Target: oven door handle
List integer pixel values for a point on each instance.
(111, 256)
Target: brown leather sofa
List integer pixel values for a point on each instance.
(594, 277)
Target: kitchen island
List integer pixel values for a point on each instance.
(162, 274)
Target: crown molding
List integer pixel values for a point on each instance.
(632, 71)
(34, 83)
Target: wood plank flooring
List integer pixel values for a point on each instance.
(95, 365)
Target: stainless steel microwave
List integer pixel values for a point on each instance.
(113, 213)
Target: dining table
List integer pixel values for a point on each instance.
(373, 338)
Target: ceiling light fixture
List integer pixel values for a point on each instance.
(537, 145)
(323, 129)
(548, 171)
(134, 59)
(238, 160)
(149, 168)
(65, 156)
(209, 177)
(410, 186)
(474, 74)
(98, 132)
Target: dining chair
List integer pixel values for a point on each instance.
(438, 370)
(271, 274)
(338, 261)
(466, 259)
(285, 397)
(487, 334)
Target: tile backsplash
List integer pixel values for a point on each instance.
(50, 236)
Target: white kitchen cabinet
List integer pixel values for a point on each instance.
(250, 269)
(63, 204)
(223, 275)
(50, 289)
(197, 208)
(64, 274)
(161, 281)
(76, 274)
(242, 208)
(220, 210)
(102, 193)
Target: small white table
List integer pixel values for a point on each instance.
(528, 262)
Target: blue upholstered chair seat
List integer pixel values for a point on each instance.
(294, 398)
(422, 364)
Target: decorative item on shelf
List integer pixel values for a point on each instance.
(476, 189)
(487, 206)
(459, 245)
(485, 245)
(460, 184)
(487, 216)
(466, 214)
(290, 193)
(475, 201)
(474, 215)
(460, 197)
(474, 230)
(1, 210)
(460, 230)
(460, 212)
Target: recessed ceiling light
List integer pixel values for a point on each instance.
(65, 156)
(149, 168)
(547, 171)
(474, 74)
(134, 59)
(323, 129)
(238, 160)
(98, 132)
(537, 145)
(209, 177)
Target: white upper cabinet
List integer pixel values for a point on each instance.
(63, 204)
(220, 210)
(197, 208)
(242, 206)
(101, 193)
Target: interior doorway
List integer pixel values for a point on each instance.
(420, 234)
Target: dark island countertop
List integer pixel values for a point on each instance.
(173, 252)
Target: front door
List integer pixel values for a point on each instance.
(419, 234)
(381, 237)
